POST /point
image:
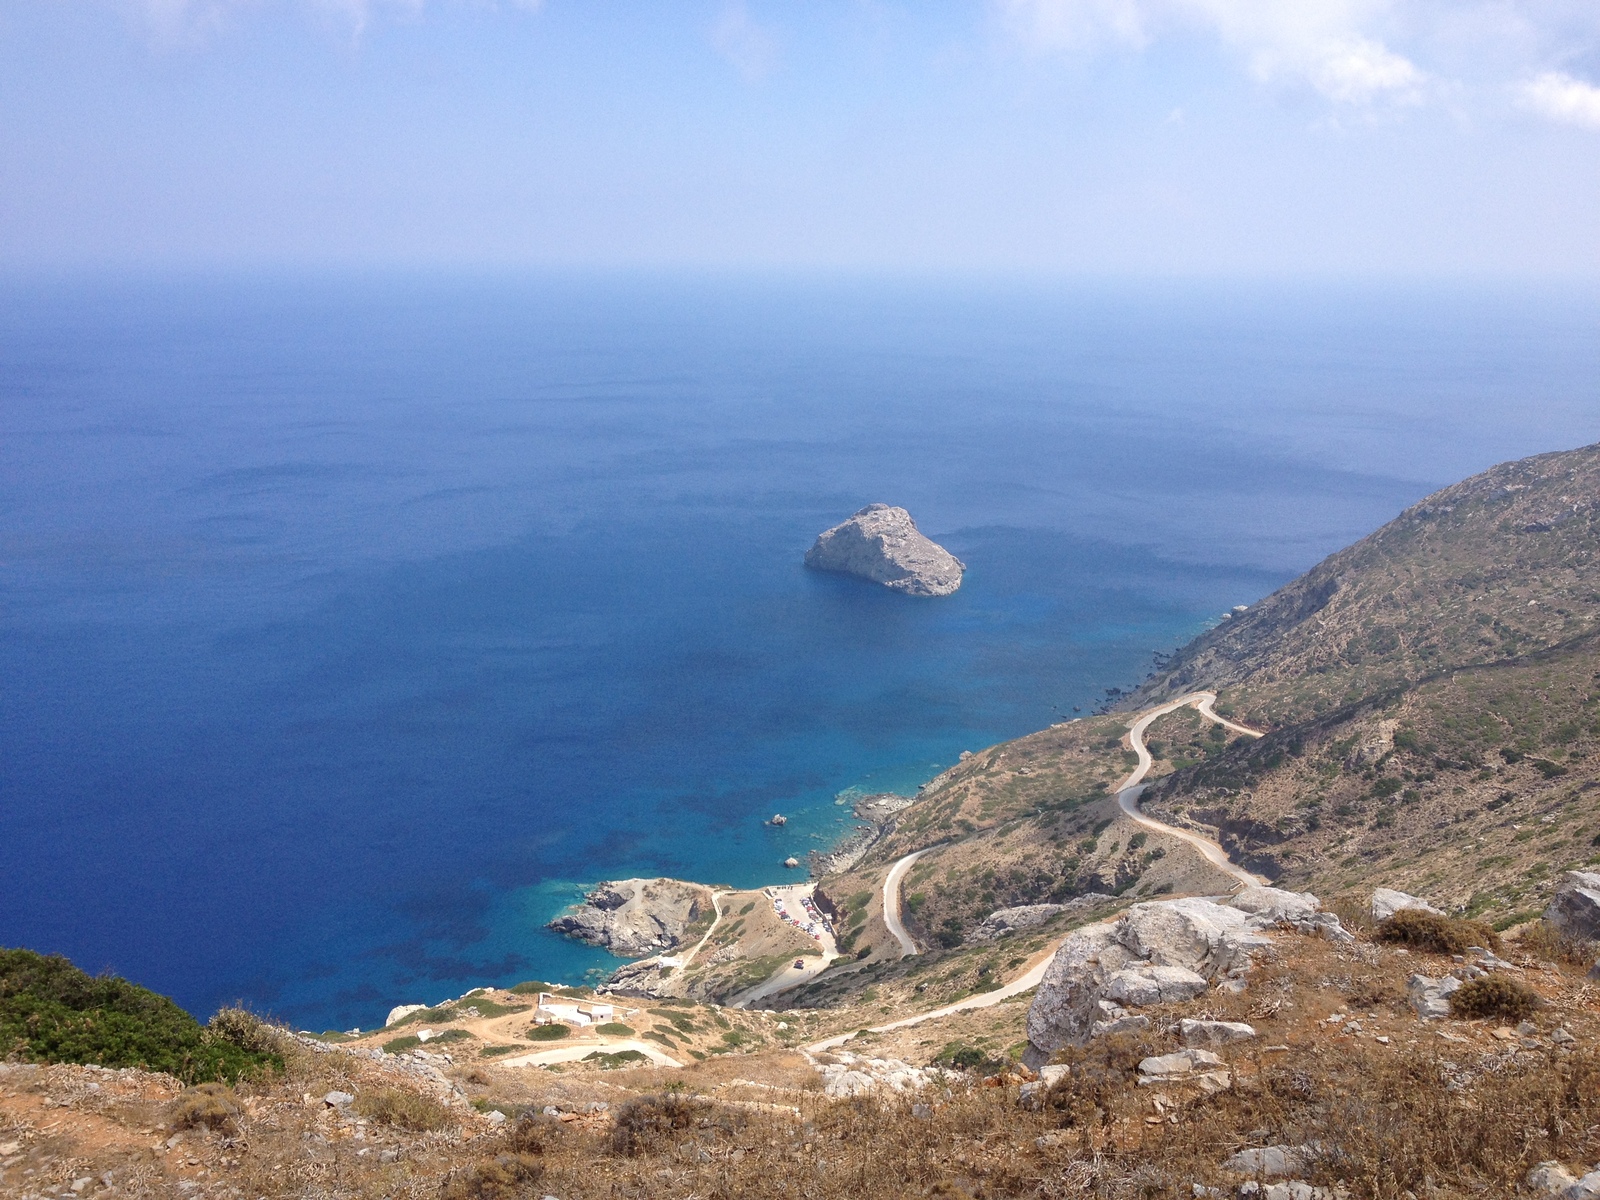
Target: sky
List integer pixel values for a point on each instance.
(1388, 138)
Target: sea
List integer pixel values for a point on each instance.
(352, 625)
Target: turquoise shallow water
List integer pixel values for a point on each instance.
(350, 627)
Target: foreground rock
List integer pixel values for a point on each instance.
(635, 917)
(1157, 953)
(1430, 998)
(1575, 910)
(883, 544)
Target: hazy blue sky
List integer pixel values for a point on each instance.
(1284, 136)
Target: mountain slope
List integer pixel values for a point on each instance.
(1493, 568)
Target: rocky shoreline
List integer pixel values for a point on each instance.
(877, 813)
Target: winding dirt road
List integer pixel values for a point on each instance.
(891, 902)
(1130, 789)
(1128, 792)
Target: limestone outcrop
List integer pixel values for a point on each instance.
(1157, 953)
(635, 917)
(1005, 921)
(882, 543)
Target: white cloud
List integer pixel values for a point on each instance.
(1559, 97)
(1328, 44)
(739, 39)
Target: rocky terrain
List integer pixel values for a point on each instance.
(635, 917)
(882, 543)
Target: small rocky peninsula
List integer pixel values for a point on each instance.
(635, 917)
(882, 543)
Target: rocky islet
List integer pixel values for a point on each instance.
(882, 543)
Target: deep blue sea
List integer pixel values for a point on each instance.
(351, 626)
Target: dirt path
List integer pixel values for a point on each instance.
(891, 902)
(1129, 790)
(681, 961)
(1128, 799)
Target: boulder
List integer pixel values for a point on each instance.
(1575, 909)
(1270, 1162)
(1386, 902)
(1180, 1062)
(400, 1012)
(635, 917)
(1550, 1179)
(1430, 998)
(1213, 1033)
(1587, 1188)
(1155, 953)
(1032, 1094)
(882, 543)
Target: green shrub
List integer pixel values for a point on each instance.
(1494, 996)
(622, 1058)
(52, 1012)
(960, 1056)
(614, 1029)
(401, 1044)
(548, 1033)
(1432, 931)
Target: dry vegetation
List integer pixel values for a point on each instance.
(1341, 1064)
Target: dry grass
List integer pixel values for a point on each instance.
(210, 1104)
(1543, 940)
(405, 1109)
(503, 1177)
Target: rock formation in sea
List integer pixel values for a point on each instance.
(882, 543)
(635, 917)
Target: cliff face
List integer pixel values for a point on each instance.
(883, 544)
(635, 917)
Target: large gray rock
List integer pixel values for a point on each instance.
(1270, 1162)
(883, 544)
(1430, 998)
(1575, 909)
(635, 917)
(1155, 953)
(1550, 1179)
(1386, 902)
(1213, 1033)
